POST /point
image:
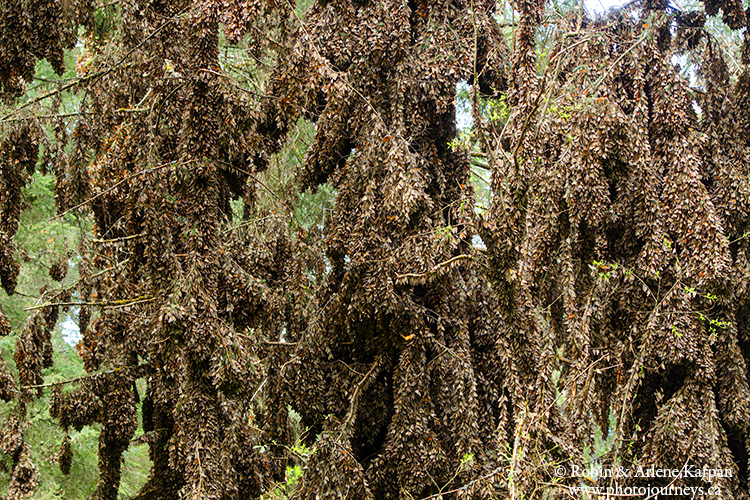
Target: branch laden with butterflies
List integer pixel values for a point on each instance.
(398, 369)
(421, 366)
(618, 236)
(163, 140)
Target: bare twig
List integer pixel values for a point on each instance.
(353, 404)
(436, 268)
(467, 485)
(45, 116)
(88, 376)
(115, 304)
(123, 238)
(285, 344)
(121, 181)
(121, 263)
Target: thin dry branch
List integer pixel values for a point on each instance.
(436, 268)
(346, 424)
(45, 116)
(121, 181)
(106, 270)
(136, 368)
(123, 238)
(467, 485)
(110, 305)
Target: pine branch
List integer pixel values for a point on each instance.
(123, 238)
(88, 376)
(101, 73)
(46, 116)
(348, 421)
(115, 304)
(436, 268)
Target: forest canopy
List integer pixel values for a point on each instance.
(374, 249)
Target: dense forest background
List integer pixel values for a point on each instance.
(372, 249)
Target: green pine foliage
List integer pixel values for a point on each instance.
(41, 240)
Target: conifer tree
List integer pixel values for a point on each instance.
(616, 243)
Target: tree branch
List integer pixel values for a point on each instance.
(115, 304)
(346, 424)
(101, 73)
(87, 376)
(436, 268)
